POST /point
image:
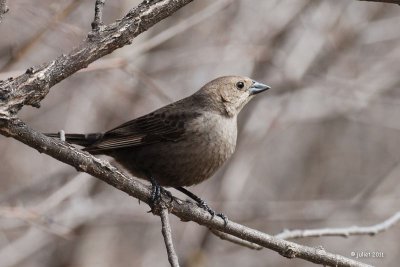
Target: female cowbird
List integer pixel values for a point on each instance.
(181, 144)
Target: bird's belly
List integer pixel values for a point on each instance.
(183, 163)
(201, 161)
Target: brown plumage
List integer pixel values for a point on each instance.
(180, 144)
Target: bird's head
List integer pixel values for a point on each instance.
(231, 93)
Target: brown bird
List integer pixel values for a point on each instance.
(181, 144)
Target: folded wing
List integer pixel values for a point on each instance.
(159, 126)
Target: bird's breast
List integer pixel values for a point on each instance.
(213, 142)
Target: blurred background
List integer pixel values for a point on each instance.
(320, 149)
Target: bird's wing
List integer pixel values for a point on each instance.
(159, 126)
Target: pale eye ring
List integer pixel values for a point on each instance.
(240, 85)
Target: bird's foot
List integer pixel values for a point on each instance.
(202, 204)
(156, 192)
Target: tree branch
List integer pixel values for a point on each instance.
(3, 8)
(383, 1)
(344, 232)
(166, 231)
(31, 87)
(186, 211)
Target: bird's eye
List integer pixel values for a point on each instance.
(239, 85)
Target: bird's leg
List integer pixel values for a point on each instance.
(202, 204)
(156, 191)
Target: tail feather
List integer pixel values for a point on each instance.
(84, 140)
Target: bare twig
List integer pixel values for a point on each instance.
(166, 231)
(62, 135)
(384, 1)
(235, 240)
(36, 238)
(38, 214)
(36, 219)
(345, 232)
(70, 188)
(3, 8)
(101, 169)
(15, 251)
(98, 15)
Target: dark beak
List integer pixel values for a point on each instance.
(257, 87)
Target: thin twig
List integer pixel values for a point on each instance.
(166, 232)
(62, 135)
(344, 232)
(235, 240)
(37, 238)
(98, 15)
(383, 1)
(3, 8)
(38, 220)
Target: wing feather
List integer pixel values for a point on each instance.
(159, 126)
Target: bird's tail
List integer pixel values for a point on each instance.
(84, 140)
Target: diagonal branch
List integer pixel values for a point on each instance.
(31, 87)
(3, 8)
(383, 1)
(101, 169)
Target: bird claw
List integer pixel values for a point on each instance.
(202, 204)
(223, 217)
(156, 192)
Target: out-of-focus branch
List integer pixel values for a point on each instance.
(167, 234)
(345, 232)
(31, 87)
(3, 8)
(101, 169)
(21, 50)
(384, 1)
(182, 26)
